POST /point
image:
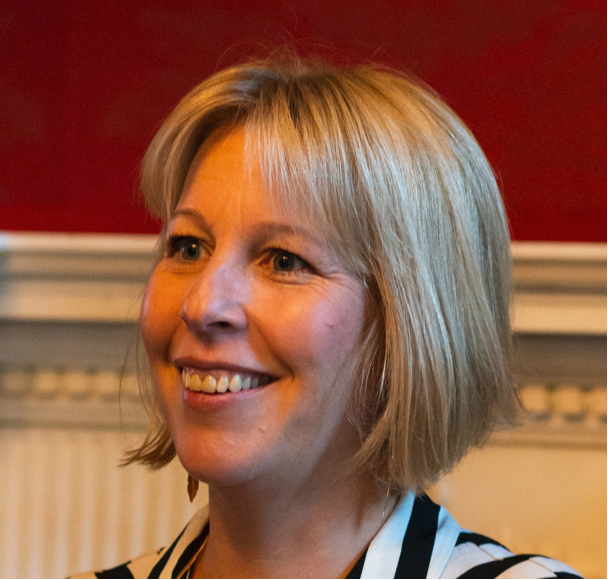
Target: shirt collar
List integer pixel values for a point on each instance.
(416, 541)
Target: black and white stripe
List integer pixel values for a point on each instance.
(419, 540)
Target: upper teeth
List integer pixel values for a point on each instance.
(209, 384)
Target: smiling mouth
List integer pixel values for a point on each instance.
(221, 381)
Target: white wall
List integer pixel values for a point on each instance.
(68, 305)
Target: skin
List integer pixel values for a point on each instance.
(263, 292)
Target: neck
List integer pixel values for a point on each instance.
(317, 529)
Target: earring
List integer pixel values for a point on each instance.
(192, 487)
(388, 489)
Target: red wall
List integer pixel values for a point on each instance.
(84, 84)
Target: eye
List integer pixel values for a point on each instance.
(188, 247)
(284, 262)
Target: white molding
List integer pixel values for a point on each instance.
(559, 313)
(66, 243)
(73, 277)
(559, 251)
(554, 433)
(69, 414)
(560, 288)
(559, 267)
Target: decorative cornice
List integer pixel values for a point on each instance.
(560, 288)
(555, 414)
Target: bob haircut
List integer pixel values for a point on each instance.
(408, 201)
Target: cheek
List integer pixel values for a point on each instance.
(160, 315)
(317, 334)
(316, 340)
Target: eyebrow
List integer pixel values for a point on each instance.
(197, 216)
(262, 229)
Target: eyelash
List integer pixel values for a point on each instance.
(175, 244)
(174, 247)
(273, 253)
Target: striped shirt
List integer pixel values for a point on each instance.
(419, 540)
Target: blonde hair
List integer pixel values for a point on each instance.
(410, 204)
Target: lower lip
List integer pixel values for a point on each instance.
(208, 402)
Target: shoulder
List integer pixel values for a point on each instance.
(422, 540)
(477, 556)
(139, 567)
(169, 562)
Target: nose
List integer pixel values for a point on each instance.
(214, 304)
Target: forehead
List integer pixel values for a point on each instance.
(222, 162)
(226, 179)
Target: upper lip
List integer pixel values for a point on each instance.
(211, 365)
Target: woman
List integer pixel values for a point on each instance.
(327, 326)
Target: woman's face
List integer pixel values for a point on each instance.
(245, 290)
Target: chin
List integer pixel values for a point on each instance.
(214, 464)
